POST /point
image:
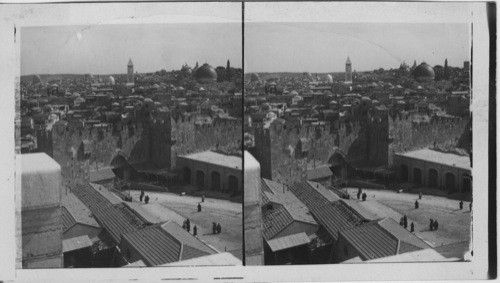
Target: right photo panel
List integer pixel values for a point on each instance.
(357, 135)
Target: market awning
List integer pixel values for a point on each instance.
(289, 241)
(76, 243)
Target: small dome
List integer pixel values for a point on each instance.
(329, 78)
(206, 74)
(111, 80)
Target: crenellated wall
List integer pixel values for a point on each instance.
(367, 139)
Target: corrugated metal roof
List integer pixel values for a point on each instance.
(310, 197)
(185, 237)
(289, 241)
(90, 197)
(67, 219)
(116, 222)
(277, 193)
(335, 217)
(275, 220)
(78, 209)
(76, 243)
(154, 245)
(412, 242)
(371, 241)
(189, 253)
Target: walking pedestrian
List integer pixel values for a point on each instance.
(420, 195)
(412, 227)
(146, 199)
(188, 225)
(461, 205)
(199, 207)
(431, 224)
(219, 228)
(405, 221)
(141, 196)
(436, 224)
(359, 193)
(364, 196)
(203, 198)
(416, 204)
(214, 228)
(195, 231)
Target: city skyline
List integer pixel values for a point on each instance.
(106, 49)
(324, 47)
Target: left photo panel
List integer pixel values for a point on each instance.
(129, 136)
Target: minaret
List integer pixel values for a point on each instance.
(446, 69)
(228, 71)
(348, 71)
(130, 72)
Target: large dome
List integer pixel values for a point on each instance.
(37, 79)
(206, 74)
(254, 77)
(424, 72)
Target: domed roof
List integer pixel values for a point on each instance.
(424, 72)
(37, 79)
(111, 80)
(206, 74)
(254, 77)
(329, 78)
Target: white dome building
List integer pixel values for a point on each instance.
(111, 80)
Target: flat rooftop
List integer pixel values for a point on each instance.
(215, 158)
(449, 159)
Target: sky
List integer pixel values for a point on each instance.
(324, 47)
(319, 36)
(106, 49)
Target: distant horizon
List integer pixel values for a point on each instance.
(106, 49)
(324, 47)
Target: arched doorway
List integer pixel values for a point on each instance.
(338, 166)
(120, 167)
(417, 175)
(404, 173)
(187, 175)
(200, 178)
(450, 181)
(233, 184)
(466, 183)
(433, 178)
(215, 181)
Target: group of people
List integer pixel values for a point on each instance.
(361, 194)
(187, 225)
(216, 228)
(146, 199)
(404, 222)
(433, 224)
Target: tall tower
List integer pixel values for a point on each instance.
(348, 71)
(446, 69)
(228, 71)
(130, 72)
